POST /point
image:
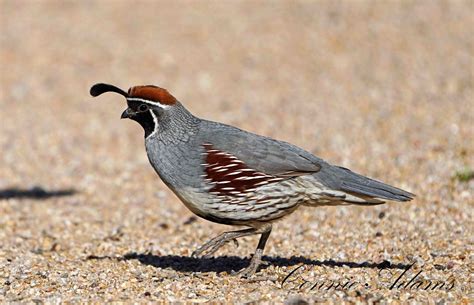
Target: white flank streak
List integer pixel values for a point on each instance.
(221, 170)
(135, 99)
(223, 182)
(234, 173)
(275, 179)
(230, 165)
(228, 188)
(248, 178)
(217, 168)
(223, 154)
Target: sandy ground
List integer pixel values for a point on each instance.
(384, 88)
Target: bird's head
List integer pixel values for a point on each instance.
(146, 104)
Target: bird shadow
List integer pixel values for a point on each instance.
(230, 263)
(36, 192)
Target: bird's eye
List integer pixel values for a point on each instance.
(143, 108)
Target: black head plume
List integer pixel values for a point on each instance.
(100, 88)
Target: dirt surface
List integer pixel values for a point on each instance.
(384, 88)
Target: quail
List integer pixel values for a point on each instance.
(234, 177)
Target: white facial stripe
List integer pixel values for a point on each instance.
(155, 121)
(136, 99)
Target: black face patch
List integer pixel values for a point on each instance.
(145, 119)
(137, 106)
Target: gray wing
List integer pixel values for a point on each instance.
(264, 154)
(283, 159)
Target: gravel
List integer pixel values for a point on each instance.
(385, 88)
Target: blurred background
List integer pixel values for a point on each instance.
(382, 87)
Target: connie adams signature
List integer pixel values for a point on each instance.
(300, 279)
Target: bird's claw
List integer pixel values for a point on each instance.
(206, 250)
(251, 269)
(246, 272)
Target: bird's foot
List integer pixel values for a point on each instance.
(252, 268)
(214, 244)
(209, 248)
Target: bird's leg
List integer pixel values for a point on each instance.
(214, 244)
(256, 260)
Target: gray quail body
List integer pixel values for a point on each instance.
(230, 176)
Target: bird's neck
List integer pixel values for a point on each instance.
(177, 126)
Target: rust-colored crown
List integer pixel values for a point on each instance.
(152, 93)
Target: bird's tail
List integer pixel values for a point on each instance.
(346, 187)
(356, 184)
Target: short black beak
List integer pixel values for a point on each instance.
(126, 114)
